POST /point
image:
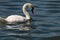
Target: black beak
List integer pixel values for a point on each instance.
(32, 10)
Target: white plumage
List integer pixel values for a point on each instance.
(15, 18)
(19, 18)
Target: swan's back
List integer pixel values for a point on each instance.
(15, 18)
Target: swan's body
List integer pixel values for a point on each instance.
(18, 18)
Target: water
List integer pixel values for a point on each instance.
(44, 26)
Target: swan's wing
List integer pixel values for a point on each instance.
(15, 18)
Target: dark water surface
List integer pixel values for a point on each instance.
(44, 26)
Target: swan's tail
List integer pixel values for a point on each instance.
(2, 20)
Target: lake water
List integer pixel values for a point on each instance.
(44, 26)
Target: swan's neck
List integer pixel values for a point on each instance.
(26, 13)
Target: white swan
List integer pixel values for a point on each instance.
(18, 18)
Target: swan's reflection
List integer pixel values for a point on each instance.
(23, 26)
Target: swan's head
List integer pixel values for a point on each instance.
(29, 5)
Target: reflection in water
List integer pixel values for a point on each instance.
(23, 26)
(10, 30)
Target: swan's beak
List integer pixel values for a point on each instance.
(32, 10)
